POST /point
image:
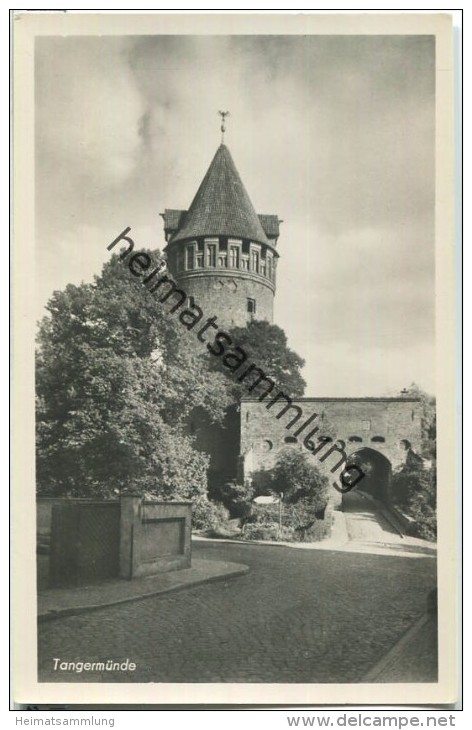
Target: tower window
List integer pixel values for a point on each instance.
(234, 257)
(255, 261)
(190, 257)
(199, 261)
(251, 306)
(378, 439)
(211, 254)
(269, 267)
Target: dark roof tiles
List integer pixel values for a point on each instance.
(220, 207)
(270, 224)
(173, 219)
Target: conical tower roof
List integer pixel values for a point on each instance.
(221, 206)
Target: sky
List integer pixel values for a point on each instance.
(334, 134)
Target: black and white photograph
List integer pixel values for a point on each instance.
(238, 362)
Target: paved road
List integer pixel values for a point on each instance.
(297, 616)
(368, 530)
(364, 523)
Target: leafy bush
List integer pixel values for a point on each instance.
(422, 506)
(300, 515)
(235, 497)
(405, 484)
(207, 515)
(314, 532)
(305, 497)
(267, 531)
(414, 491)
(299, 479)
(263, 514)
(300, 523)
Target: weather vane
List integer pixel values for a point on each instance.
(223, 116)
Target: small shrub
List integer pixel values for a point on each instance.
(306, 524)
(305, 497)
(318, 530)
(267, 531)
(422, 505)
(263, 514)
(414, 491)
(208, 515)
(299, 479)
(405, 484)
(425, 519)
(300, 523)
(235, 497)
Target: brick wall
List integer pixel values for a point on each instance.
(263, 435)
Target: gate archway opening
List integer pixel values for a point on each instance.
(377, 471)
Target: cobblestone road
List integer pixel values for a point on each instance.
(297, 616)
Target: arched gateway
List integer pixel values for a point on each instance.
(377, 471)
(369, 429)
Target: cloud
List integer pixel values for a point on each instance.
(335, 134)
(88, 109)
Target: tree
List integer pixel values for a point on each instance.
(266, 347)
(414, 491)
(428, 420)
(305, 497)
(299, 479)
(414, 485)
(116, 382)
(422, 505)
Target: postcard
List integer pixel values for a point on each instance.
(234, 373)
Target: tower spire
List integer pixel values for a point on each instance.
(223, 116)
(220, 250)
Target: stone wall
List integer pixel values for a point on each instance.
(93, 540)
(376, 424)
(224, 294)
(44, 507)
(85, 542)
(155, 536)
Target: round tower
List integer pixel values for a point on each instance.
(221, 252)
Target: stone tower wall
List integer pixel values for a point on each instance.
(226, 295)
